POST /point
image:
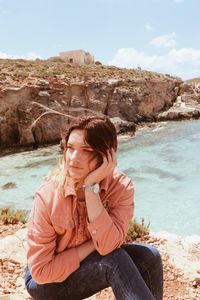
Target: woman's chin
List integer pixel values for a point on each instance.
(76, 176)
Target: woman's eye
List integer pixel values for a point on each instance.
(88, 151)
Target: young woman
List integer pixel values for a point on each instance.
(79, 221)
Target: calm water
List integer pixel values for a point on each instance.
(163, 162)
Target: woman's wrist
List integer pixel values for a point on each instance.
(90, 181)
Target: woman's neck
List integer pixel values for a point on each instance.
(80, 194)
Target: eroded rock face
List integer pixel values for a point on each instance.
(35, 114)
(190, 93)
(186, 106)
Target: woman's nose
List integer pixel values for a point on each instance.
(75, 155)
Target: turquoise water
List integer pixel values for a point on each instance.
(164, 163)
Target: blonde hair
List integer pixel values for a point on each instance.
(60, 176)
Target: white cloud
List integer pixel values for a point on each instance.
(179, 62)
(185, 55)
(29, 55)
(148, 27)
(166, 40)
(194, 73)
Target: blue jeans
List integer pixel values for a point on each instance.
(134, 272)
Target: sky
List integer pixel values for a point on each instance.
(156, 35)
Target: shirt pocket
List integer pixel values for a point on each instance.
(61, 224)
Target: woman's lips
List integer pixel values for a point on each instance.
(75, 167)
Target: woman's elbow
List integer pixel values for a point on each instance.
(106, 249)
(39, 276)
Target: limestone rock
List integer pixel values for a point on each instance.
(34, 114)
(184, 252)
(123, 126)
(43, 94)
(14, 246)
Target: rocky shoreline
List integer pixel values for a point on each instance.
(38, 99)
(180, 259)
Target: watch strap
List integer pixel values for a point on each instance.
(94, 187)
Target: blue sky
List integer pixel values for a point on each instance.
(158, 35)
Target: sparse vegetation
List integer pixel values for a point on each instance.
(98, 63)
(10, 216)
(50, 68)
(137, 230)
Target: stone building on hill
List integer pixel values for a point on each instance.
(77, 56)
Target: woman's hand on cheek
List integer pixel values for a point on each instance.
(108, 165)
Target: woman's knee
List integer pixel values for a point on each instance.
(117, 258)
(147, 254)
(153, 256)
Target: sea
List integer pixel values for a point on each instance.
(163, 161)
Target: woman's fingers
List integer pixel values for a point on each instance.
(111, 158)
(108, 165)
(109, 161)
(114, 158)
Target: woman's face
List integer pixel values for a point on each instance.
(80, 157)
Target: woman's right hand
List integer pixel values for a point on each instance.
(107, 167)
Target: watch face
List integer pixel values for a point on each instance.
(96, 188)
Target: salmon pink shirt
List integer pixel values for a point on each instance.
(57, 225)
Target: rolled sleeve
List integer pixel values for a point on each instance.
(45, 264)
(96, 228)
(109, 229)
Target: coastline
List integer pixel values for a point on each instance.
(125, 136)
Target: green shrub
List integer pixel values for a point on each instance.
(137, 230)
(98, 63)
(9, 216)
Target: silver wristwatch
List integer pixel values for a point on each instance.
(95, 188)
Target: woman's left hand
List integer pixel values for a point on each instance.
(104, 170)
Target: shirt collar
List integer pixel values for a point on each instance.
(69, 190)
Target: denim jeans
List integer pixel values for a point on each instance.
(134, 272)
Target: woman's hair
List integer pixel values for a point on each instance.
(100, 135)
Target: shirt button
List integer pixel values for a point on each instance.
(94, 231)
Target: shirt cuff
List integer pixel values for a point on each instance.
(100, 224)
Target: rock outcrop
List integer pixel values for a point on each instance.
(35, 114)
(186, 106)
(38, 99)
(184, 252)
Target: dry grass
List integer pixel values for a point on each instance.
(20, 69)
(9, 216)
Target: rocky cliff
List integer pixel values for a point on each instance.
(38, 98)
